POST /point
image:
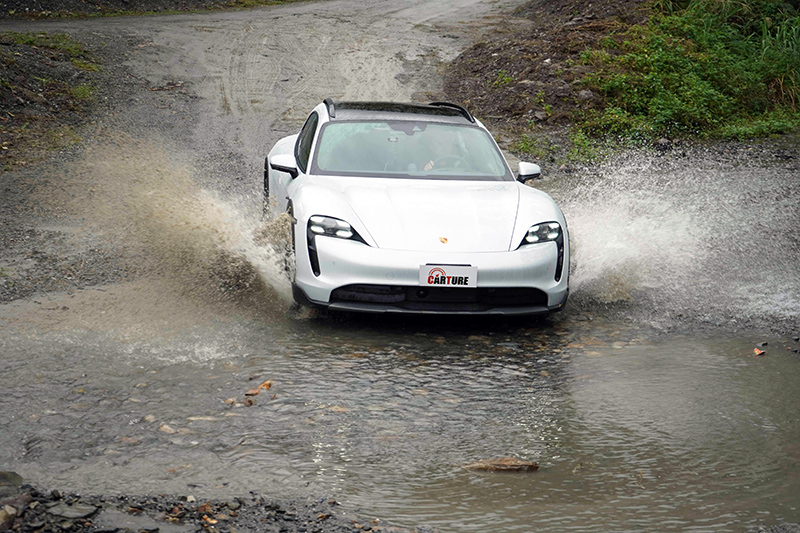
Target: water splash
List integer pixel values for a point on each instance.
(710, 236)
(134, 193)
(628, 239)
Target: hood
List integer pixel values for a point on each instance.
(434, 215)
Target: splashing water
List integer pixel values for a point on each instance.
(628, 239)
(704, 236)
(131, 192)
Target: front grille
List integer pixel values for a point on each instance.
(411, 298)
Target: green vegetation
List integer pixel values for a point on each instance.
(84, 91)
(502, 78)
(581, 148)
(538, 147)
(709, 68)
(46, 91)
(53, 41)
(544, 105)
(78, 54)
(59, 46)
(87, 66)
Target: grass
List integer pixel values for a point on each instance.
(535, 146)
(84, 91)
(580, 148)
(699, 68)
(53, 41)
(86, 66)
(40, 106)
(502, 78)
(76, 52)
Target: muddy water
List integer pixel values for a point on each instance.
(668, 433)
(643, 402)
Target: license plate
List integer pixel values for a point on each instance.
(448, 276)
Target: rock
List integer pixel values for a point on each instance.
(585, 95)
(662, 145)
(18, 503)
(7, 516)
(504, 464)
(76, 510)
(9, 484)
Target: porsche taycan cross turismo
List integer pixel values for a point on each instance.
(412, 208)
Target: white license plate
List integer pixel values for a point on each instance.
(448, 276)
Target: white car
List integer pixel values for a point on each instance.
(412, 208)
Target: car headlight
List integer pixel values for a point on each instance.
(332, 227)
(323, 226)
(548, 231)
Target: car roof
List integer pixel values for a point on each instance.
(435, 112)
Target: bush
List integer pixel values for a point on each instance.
(699, 67)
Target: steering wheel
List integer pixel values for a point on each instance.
(449, 161)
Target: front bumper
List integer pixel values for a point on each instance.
(356, 277)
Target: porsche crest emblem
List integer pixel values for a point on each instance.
(443, 240)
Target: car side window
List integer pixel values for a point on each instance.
(302, 150)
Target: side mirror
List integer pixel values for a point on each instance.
(285, 163)
(528, 171)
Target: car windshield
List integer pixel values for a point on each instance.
(408, 149)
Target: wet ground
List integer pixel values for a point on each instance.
(157, 352)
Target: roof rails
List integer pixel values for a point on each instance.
(458, 108)
(331, 107)
(329, 103)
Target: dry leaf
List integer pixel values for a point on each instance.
(503, 464)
